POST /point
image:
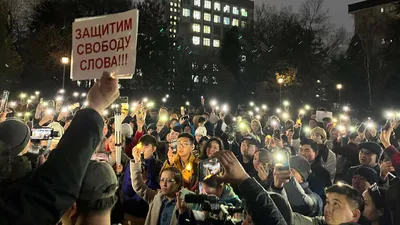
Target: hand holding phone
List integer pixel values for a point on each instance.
(281, 176)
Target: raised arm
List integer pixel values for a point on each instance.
(263, 211)
(138, 184)
(56, 184)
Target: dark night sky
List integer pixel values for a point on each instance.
(337, 10)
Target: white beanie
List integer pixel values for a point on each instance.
(201, 131)
(126, 130)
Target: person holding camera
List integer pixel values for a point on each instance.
(293, 185)
(184, 160)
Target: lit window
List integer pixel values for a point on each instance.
(227, 9)
(207, 29)
(174, 17)
(196, 27)
(186, 12)
(382, 10)
(174, 10)
(235, 10)
(216, 43)
(171, 17)
(174, 30)
(226, 21)
(243, 24)
(217, 19)
(196, 40)
(197, 3)
(207, 16)
(171, 9)
(207, 4)
(171, 3)
(176, 5)
(244, 12)
(217, 6)
(235, 22)
(206, 41)
(196, 15)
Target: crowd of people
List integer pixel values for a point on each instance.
(195, 166)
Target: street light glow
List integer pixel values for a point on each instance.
(339, 86)
(64, 60)
(37, 92)
(280, 80)
(264, 107)
(76, 94)
(83, 95)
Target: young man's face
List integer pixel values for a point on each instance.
(148, 151)
(312, 124)
(247, 150)
(367, 158)
(307, 152)
(360, 183)
(334, 134)
(338, 210)
(185, 147)
(168, 185)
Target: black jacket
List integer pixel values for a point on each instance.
(55, 185)
(262, 210)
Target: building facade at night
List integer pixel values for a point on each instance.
(371, 12)
(203, 23)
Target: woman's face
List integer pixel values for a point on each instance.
(256, 161)
(255, 127)
(212, 149)
(172, 124)
(370, 211)
(198, 137)
(112, 143)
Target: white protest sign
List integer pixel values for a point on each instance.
(104, 43)
(323, 114)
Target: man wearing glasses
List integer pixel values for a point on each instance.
(185, 161)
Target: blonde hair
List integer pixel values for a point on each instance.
(320, 131)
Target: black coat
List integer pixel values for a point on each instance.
(55, 186)
(262, 210)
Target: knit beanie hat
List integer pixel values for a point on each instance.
(372, 147)
(201, 131)
(126, 130)
(14, 137)
(301, 165)
(368, 173)
(99, 187)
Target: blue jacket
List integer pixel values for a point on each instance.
(132, 203)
